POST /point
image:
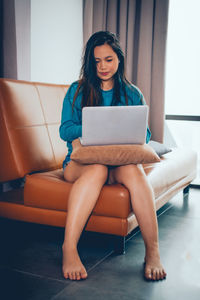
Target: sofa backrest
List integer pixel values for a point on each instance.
(30, 115)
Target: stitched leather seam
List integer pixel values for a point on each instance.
(45, 124)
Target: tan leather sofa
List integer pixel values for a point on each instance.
(31, 155)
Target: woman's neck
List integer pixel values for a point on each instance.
(107, 85)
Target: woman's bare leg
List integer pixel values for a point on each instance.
(142, 199)
(88, 181)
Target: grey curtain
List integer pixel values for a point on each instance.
(15, 39)
(141, 26)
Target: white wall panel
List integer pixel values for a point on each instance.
(56, 40)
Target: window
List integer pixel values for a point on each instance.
(182, 75)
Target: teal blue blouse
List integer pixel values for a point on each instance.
(71, 123)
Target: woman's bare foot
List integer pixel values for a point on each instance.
(73, 268)
(153, 269)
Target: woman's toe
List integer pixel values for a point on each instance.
(148, 274)
(154, 272)
(78, 276)
(71, 276)
(66, 275)
(84, 275)
(164, 274)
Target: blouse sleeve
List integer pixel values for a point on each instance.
(70, 127)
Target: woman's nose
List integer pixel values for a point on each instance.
(102, 65)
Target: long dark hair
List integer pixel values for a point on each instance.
(89, 83)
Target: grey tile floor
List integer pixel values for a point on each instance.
(30, 260)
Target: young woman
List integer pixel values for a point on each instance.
(102, 82)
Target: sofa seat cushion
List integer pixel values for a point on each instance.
(49, 190)
(177, 168)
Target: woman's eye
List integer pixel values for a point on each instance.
(109, 60)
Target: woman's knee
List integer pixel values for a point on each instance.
(130, 173)
(132, 169)
(98, 171)
(92, 172)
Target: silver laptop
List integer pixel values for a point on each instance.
(108, 125)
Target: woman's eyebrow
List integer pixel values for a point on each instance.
(109, 56)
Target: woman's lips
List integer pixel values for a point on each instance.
(104, 73)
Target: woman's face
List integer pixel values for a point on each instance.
(106, 62)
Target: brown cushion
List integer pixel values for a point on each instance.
(114, 155)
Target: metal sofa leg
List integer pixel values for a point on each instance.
(119, 244)
(1, 188)
(186, 190)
